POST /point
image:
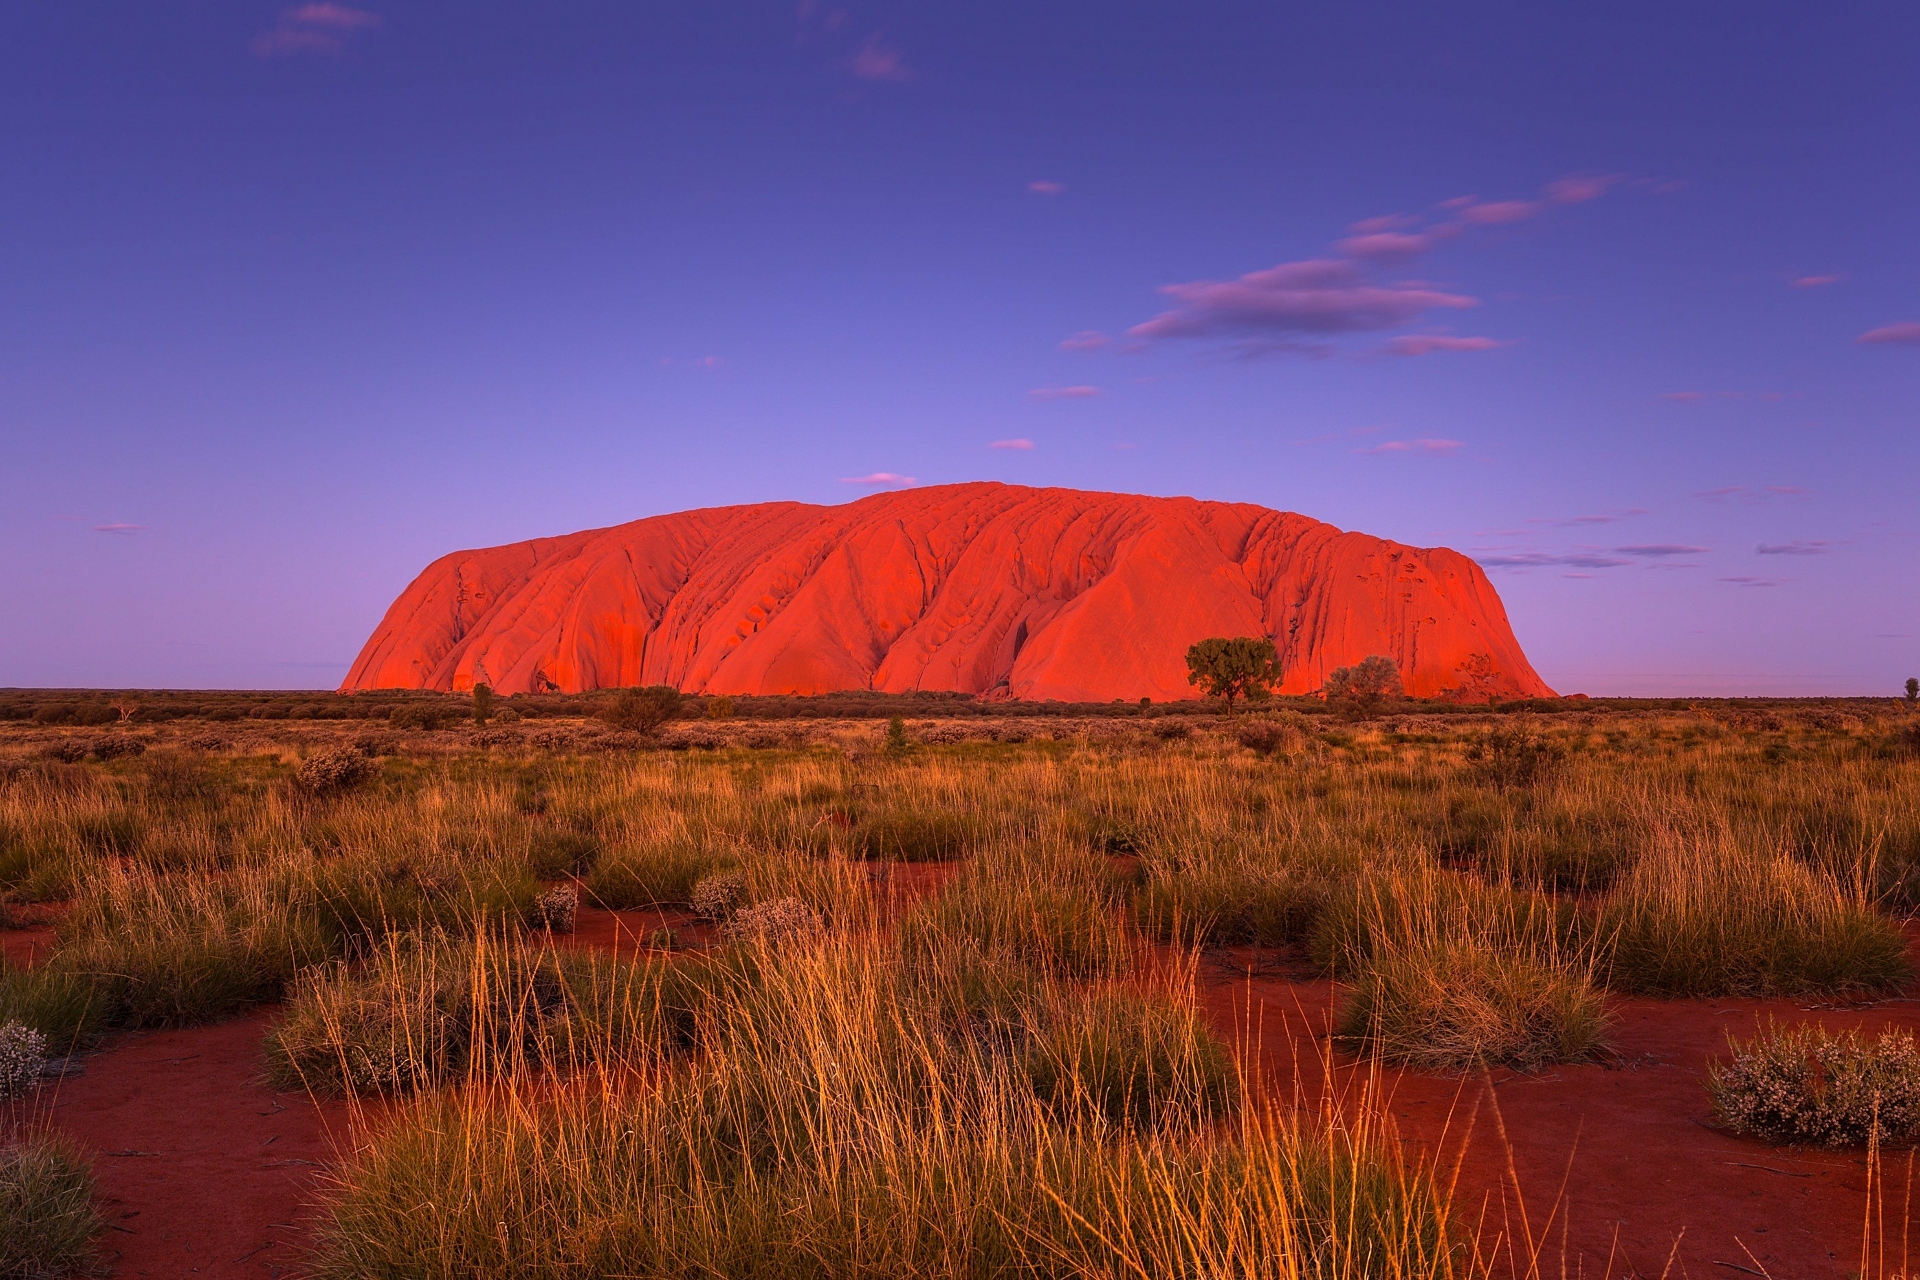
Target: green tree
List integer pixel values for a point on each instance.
(896, 744)
(1361, 687)
(1913, 690)
(1233, 667)
(482, 703)
(642, 710)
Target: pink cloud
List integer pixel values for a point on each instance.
(1496, 212)
(1022, 444)
(1064, 393)
(1814, 282)
(1086, 340)
(1906, 333)
(1420, 344)
(1388, 246)
(313, 28)
(880, 478)
(1042, 187)
(1317, 296)
(1793, 548)
(876, 61)
(1373, 226)
(1580, 188)
(1424, 445)
(118, 527)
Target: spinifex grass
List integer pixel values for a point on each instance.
(47, 1218)
(835, 1124)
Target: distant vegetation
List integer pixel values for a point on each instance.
(927, 1005)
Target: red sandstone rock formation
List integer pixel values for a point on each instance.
(980, 588)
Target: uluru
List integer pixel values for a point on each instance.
(980, 588)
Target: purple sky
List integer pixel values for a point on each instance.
(1623, 300)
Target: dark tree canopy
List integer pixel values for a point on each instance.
(642, 710)
(1365, 684)
(1233, 667)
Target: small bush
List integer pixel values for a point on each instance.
(716, 896)
(1455, 1005)
(1228, 901)
(1808, 1085)
(47, 1218)
(1268, 737)
(335, 769)
(23, 1054)
(917, 835)
(642, 711)
(774, 921)
(555, 910)
(1508, 758)
(420, 715)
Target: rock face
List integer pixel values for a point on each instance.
(978, 588)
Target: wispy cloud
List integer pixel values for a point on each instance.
(1420, 344)
(313, 28)
(1282, 303)
(1906, 333)
(1064, 393)
(1086, 340)
(1793, 548)
(1043, 187)
(1814, 282)
(876, 60)
(1604, 517)
(1748, 493)
(1424, 445)
(1543, 559)
(880, 478)
(1748, 581)
(118, 527)
(1021, 443)
(1658, 549)
(1295, 306)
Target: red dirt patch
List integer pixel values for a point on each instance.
(203, 1170)
(1632, 1139)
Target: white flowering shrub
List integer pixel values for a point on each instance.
(335, 769)
(23, 1055)
(715, 896)
(555, 909)
(774, 921)
(1807, 1085)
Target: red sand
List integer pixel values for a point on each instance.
(1042, 593)
(202, 1169)
(228, 1167)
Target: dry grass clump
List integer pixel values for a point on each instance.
(1805, 1084)
(1459, 1004)
(424, 1013)
(1387, 909)
(1705, 916)
(835, 1124)
(47, 1218)
(1134, 1057)
(1056, 918)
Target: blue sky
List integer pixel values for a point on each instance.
(1623, 300)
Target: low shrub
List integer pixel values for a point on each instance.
(715, 896)
(916, 835)
(1269, 737)
(23, 1054)
(335, 769)
(1228, 901)
(1805, 1084)
(555, 910)
(1461, 1004)
(774, 921)
(47, 1218)
(642, 711)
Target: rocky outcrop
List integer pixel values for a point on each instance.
(980, 588)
